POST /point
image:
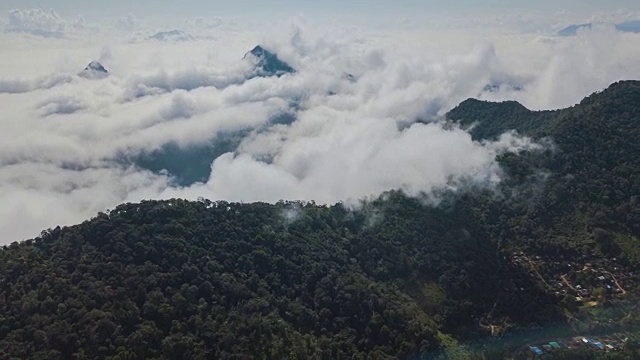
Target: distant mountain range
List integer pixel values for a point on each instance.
(172, 36)
(628, 26)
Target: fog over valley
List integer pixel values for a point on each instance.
(95, 115)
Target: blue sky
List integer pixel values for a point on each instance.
(356, 8)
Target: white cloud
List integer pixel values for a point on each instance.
(128, 23)
(574, 68)
(18, 86)
(66, 141)
(380, 158)
(38, 194)
(62, 105)
(36, 22)
(211, 23)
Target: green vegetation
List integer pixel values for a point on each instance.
(396, 278)
(157, 279)
(629, 246)
(582, 191)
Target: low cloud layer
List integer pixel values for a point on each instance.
(361, 115)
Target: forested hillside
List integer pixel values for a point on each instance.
(585, 181)
(396, 277)
(176, 277)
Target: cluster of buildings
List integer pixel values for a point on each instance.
(586, 279)
(595, 285)
(549, 347)
(542, 350)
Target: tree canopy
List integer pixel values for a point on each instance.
(395, 277)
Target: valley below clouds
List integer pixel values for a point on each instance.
(188, 116)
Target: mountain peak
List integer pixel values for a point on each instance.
(259, 51)
(267, 63)
(94, 70)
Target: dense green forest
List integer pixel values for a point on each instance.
(396, 277)
(588, 177)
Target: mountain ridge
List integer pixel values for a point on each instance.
(515, 116)
(632, 26)
(172, 35)
(397, 277)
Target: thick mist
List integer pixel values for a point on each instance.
(361, 115)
